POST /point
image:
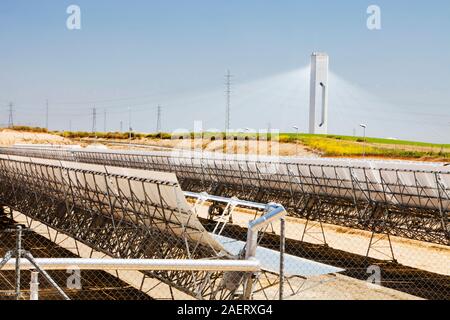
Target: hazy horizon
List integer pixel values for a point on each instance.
(141, 54)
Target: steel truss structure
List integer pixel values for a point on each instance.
(119, 212)
(406, 200)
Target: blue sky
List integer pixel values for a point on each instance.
(140, 54)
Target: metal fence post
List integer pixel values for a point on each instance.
(18, 256)
(282, 251)
(250, 253)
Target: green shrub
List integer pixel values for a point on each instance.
(30, 129)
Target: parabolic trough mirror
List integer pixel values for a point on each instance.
(133, 214)
(405, 199)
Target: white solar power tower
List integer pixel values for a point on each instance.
(318, 108)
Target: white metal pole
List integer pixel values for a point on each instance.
(296, 128)
(364, 152)
(137, 264)
(282, 252)
(364, 140)
(17, 260)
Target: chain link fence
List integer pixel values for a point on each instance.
(77, 284)
(41, 241)
(375, 266)
(392, 268)
(309, 258)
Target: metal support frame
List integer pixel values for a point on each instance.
(123, 228)
(89, 214)
(307, 231)
(19, 254)
(349, 200)
(230, 206)
(374, 244)
(270, 213)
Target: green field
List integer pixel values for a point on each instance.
(368, 140)
(335, 145)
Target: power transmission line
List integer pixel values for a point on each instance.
(87, 112)
(129, 120)
(46, 114)
(104, 121)
(11, 119)
(228, 104)
(94, 120)
(158, 122)
(153, 96)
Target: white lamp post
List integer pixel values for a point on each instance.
(364, 145)
(296, 140)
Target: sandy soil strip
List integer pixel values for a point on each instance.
(11, 137)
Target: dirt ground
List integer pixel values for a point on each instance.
(230, 147)
(10, 137)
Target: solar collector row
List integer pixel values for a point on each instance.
(140, 194)
(410, 184)
(136, 196)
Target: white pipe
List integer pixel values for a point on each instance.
(255, 226)
(233, 201)
(275, 212)
(138, 264)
